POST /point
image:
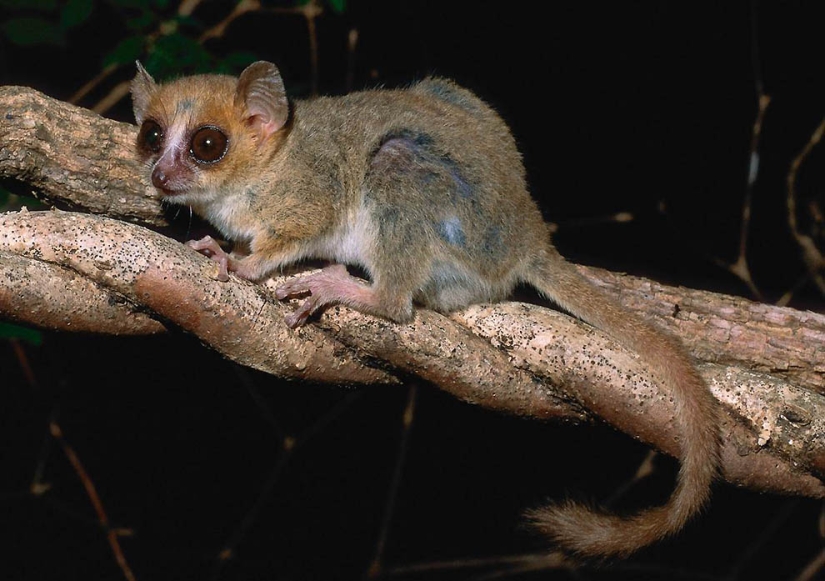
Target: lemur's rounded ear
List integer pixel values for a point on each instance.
(262, 96)
(143, 87)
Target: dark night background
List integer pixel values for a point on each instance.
(617, 107)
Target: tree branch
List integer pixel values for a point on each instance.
(72, 158)
(75, 271)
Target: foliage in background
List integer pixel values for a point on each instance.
(43, 21)
(164, 40)
(10, 331)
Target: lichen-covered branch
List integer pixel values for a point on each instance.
(97, 273)
(54, 297)
(152, 271)
(729, 330)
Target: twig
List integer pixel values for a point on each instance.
(310, 11)
(646, 468)
(91, 84)
(529, 562)
(289, 444)
(374, 569)
(810, 253)
(103, 519)
(37, 486)
(739, 267)
(23, 361)
(813, 568)
(112, 97)
(220, 28)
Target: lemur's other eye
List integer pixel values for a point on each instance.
(208, 144)
(150, 138)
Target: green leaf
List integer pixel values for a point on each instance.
(29, 31)
(127, 50)
(75, 12)
(187, 21)
(9, 331)
(145, 20)
(175, 53)
(235, 61)
(139, 4)
(338, 6)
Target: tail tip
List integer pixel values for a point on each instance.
(586, 531)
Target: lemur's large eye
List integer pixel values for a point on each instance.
(208, 144)
(150, 137)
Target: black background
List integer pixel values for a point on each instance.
(617, 107)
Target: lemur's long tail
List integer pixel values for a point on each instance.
(580, 529)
